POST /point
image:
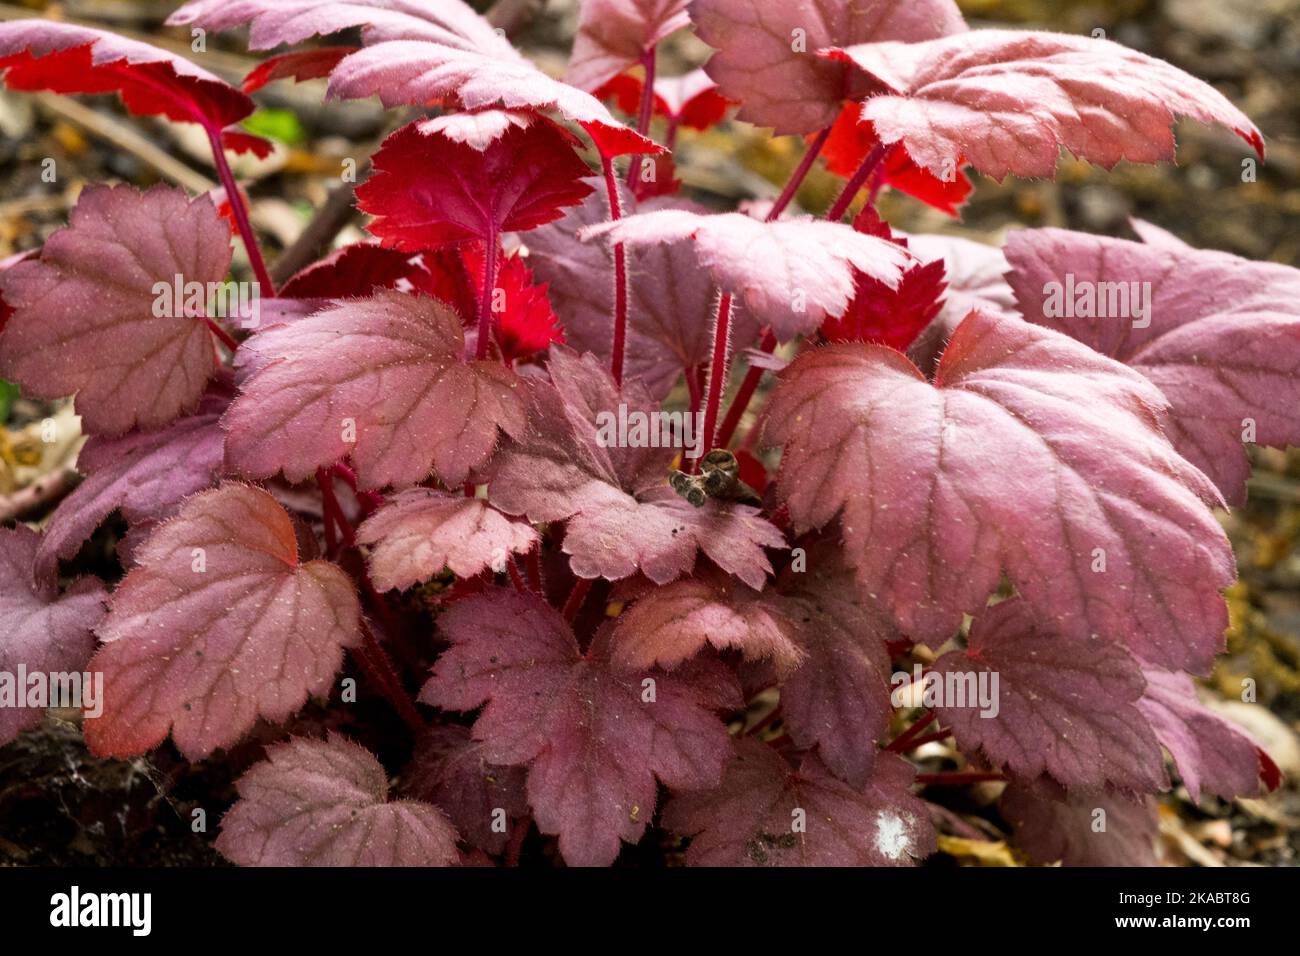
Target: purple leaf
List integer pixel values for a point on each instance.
(1029, 454)
(755, 816)
(325, 803)
(1100, 829)
(594, 740)
(1217, 334)
(613, 34)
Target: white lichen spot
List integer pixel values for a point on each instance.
(892, 838)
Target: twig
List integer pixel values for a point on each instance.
(336, 212)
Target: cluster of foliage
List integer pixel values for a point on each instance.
(961, 467)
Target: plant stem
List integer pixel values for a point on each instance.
(929, 738)
(717, 374)
(378, 667)
(800, 173)
(236, 200)
(901, 743)
(333, 514)
(576, 597)
(620, 274)
(485, 301)
(957, 778)
(222, 335)
(646, 114)
(533, 564)
(515, 579)
(860, 176)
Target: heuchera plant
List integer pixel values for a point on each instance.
(987, 471)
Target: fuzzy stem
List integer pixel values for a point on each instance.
(647, 111)
(378, 667)
(333, 514)
(576, 597)
(800, 173)
(222, 335)
(717, 374)
(620, 274)
(901, 743)
(864, 171)
(515, 579)
(236, 201)
(533, 564)
(748, 386)
(485, 301)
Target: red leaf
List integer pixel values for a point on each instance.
(622, 516)
(767, 60)
(449, 770)
(353, 271)
(303, 65)
(1062, 706)
(144, 475)
(613, 34)
(417, 534)
(86, 313)
(40, 630)
(66, 58)
(691, 100)
(428, 191)
(325, 803)
(850, 142)
(790, 274)
(382, 379)
(217, 625)
(1007, 101)
(594, 740)
(1210, 753)
(753, 818)
(523, 321)
(670, 306)
(1218, 335)
(893, 317)
(1029, 454)
(1052, 827)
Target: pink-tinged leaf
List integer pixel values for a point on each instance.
(790, 274)
(218, 624)
(144, 475)
(1008, 101)
(413, 73)
(877, 313)
(1153, 235)
(479, 129)
(1099, 829)
(275, 22)
(325, 803)
(1211, 754)
(42, 631)
(84, 312)
(838, 699)
(428, 191)
(421, 532)
(1037, 703)
(353, 271)
(594, 739)
(613, 34)
(670, 308)
(752, 819)
(303, 65)
(851, 141)
(1217, 334)
(672, 624)
(767, 52)
(382, 379)
(66, 58)
(622, 515)
(1029, 454)
(449, 770)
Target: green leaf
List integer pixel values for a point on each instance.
(279, 125)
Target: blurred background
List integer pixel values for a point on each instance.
(58, 805)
